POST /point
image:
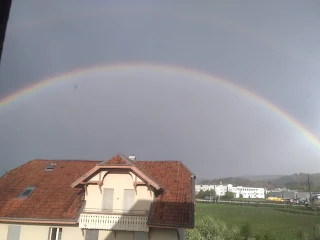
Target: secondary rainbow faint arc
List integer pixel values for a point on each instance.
(161, 67)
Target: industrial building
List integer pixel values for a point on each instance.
(246, 192)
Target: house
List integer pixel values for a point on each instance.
(92, 200)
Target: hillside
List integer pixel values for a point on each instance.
(297, 181)
(261, 177)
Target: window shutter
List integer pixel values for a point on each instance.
(141, 236)
(14, 232)
(128, 199)
(107, 201)
(92, 234)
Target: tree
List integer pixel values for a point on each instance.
(211, 192)
(202, 194)
(241, 196)
(246, 231)
(228, 196)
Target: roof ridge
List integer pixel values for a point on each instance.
(120, 155)
(65, 160)
(170, 161)
(158, 161)
(125, 158)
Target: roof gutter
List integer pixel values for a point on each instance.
(177, 229)
(44, 221)
(171, 226)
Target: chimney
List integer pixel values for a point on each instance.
(133, 157)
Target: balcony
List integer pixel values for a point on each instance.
(132, 220)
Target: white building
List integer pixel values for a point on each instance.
(204, 187)
(247, 192)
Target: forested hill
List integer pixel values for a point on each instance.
(297, 181)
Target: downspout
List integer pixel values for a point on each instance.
(193, 192)
(178, 234)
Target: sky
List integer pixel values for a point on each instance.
(159, 108)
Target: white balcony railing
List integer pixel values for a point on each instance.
(112, 221)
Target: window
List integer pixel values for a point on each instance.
(26, 193)
(128, 200)
(107, 199)
(13, 232)
(92, 234)
(140, 236)
(50, 167)
(55, 233)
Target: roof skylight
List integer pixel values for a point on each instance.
(50, 167)
(26, 193)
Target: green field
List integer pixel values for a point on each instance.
(284, 221)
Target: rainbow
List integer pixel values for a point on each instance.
(168, 68)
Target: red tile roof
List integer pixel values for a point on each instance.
(117, 160)
(176, 205)
(54, 199)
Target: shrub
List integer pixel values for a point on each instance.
(265, 235)
(212, 229)
(246, 230)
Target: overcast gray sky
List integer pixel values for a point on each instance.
(269, 47)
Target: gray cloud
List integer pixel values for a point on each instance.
(163, 115)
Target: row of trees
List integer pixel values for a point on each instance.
(202, 194)
(212, 229)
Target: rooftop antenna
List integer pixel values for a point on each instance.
(132, 157)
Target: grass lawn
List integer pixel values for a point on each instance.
(283, 221)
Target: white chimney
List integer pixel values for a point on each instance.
(133, 157)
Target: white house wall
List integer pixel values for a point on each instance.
(37, 232)
(119, 182)
(110, 235)
(3, 231)
(73, 233)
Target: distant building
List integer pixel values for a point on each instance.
(247, 192)
(289, 195)
(209, 198)
(204, 187)
(295, 195)
(277, 194)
